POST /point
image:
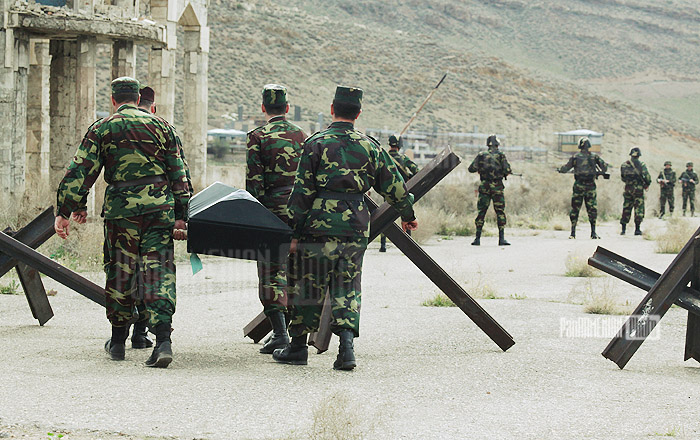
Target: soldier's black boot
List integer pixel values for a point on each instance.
(116, 345)
(477, 239)
(684, 213)
(637, 229)
(624, 229)
(501, 240)
(279, 339)
(162, 354)
(139, 336)
(296, 353)
(573, 232)
(594, 236)
(382, 243)
(346, 352)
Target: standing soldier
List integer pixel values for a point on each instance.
(146, 199)
(587, 167)
(492, 167)
(272, 158)
(406, 167)
(667, 181)
(689, 179)
(637, 180)
(331, 226)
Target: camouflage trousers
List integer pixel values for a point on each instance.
(491, 191)
(632, 199)
(272, 275)
(583, 192)
(326, 264)
(689, 196)
(140, 267)
(666, 195)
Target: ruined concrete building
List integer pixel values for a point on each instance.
(48, 86)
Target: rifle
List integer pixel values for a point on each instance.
(430, 95)
(686, 181)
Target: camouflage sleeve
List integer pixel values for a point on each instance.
(601, 164)
(567, 166)
(506, 166)
(254, 167)
(391, 186)
(646, 176)
(474, 167)
(412, 167)
(672, 180)
(661, 176)
(304, 191)
(80, 176)
(176, 173)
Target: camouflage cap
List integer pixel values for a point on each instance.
(668, 162)
(689, 164)
(584, 143)
(125, 84)
(492, 141)
(274, 94)
(348, 95)
(635, 152)
(393, 141)
(147, 94)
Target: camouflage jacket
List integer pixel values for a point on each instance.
(180, 148)
(585, 166)
(343, 160)
(687, 176)
(669, 175)
(272, 158)
(129, 145)
(491, 165)
(634, 173)
(407, 167)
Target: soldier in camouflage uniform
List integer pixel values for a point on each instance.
(331, 226)
(667, 181)
(406, 167)
(272, 158)
(492, 167)
(587, 167)
(145, 201)
(637, 180)
(689, 179)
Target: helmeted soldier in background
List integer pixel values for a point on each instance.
(406, 167)
(667, 181)
(330, 221)
(146, 200)
(689, 179)
(637, 180)
(587, 167)
(272, 157)
(492, 167)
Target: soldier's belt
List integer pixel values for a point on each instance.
(142, 181)
(351, 197)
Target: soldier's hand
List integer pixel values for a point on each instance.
(293, 246)
(60, 225)
(180, 230)
(79, 217)
(409, 226)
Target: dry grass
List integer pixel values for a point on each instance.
(577, 266)
(439, 300)
(677, 234)
(599, 298)
(337, 417)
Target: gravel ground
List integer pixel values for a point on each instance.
(422, 372)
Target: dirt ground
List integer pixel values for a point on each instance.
(422, 372)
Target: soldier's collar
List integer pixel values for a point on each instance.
(276, 118)
(123, 106)
(342, 124)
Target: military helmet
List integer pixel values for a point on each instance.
(393, 141)
(668, 162)
(584, 143)
(689, 164)
(492, 141)
(635, 152)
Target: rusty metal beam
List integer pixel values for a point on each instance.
(47, 266)
(640, 276)
(35, 293)
(34, 234)
(653, 307)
